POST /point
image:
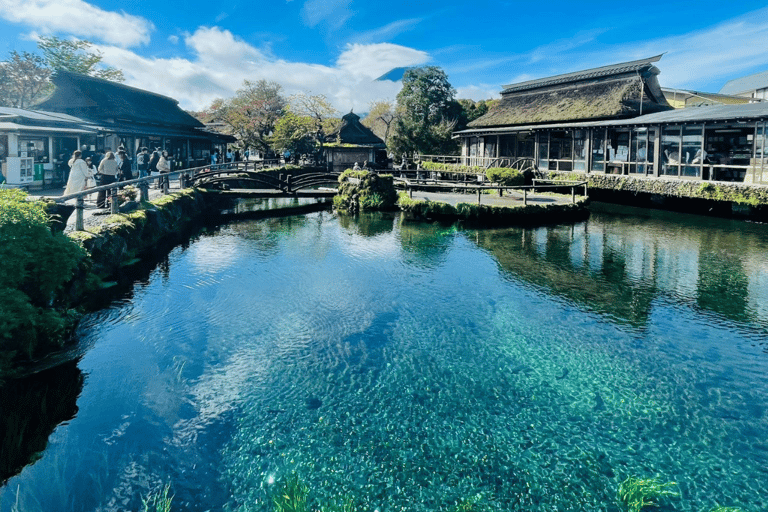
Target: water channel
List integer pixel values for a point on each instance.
(414, 367)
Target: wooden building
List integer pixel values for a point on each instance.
(353, 143)
(615, 119)
(132, 118)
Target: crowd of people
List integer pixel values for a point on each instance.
(89, 169)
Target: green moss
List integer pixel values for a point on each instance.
(636, 493)
(363, 190)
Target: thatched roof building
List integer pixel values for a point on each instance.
(119, 107)
(617, 91)
(352, 131)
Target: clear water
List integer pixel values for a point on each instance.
(413, 366)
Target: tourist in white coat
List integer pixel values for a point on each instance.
(79, 174)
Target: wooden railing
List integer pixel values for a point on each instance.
(184, 177)
(537, 185)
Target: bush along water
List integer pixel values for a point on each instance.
(363, 190)
(37, 267)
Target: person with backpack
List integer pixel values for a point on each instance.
(142, 161)
(153, 171)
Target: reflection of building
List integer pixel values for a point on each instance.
(97, 114)
(353, 143)
(615, 120)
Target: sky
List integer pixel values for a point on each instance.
(196, 52)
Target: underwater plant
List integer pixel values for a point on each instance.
(638, 493)
(292, 496)
(159, 502)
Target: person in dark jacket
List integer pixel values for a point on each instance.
(153, 171)
(124, 167)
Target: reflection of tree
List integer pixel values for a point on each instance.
(31, 408)
(424, 245)
(368, 224)
(723, 286)
(610, 292)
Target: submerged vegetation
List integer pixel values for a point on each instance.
(637, 493)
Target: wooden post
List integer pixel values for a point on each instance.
(410, 191)
(79, 205)
(478, 195)
(573, 195)
(144, 191)
(525, 197)
(114, 200)
(585, 191)
(166, 182)
(501, 192)
(289, 179)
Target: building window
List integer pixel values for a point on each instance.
(544, 150)
(598, 150)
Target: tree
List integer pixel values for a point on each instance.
(381, 118)
(319, 110)
(251, 114)
(426, 113)
(73, 55)
(294, 133)
(23, 79)
(471, 110)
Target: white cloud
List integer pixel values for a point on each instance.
(78, 18)
(387, 31)
(479, 92)
(221, 62)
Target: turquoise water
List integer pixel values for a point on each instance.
(415, 366)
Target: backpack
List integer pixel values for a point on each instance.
(144, 161)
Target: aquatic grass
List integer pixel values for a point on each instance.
(637, 493)
(291, 496)
(159, 501)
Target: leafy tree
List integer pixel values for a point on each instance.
(381, 118)
(251, 114)
(427, 113)
(74, 55)
(294, 133)
(23, 79)
(320, 112)
(471, 110)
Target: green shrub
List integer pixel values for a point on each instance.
(36, 266)
(369, 191)
(505, 177)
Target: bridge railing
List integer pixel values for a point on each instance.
(184, 177)
(538, 185)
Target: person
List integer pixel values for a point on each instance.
(79, 173)
(214, 157)
(356, 167)
(153, 165)
(92, 182)
(124, 171)
(164, 167)
(229, 155)
(108, 174)
(143, 162)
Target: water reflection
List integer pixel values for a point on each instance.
(619, 265)
(30, 409)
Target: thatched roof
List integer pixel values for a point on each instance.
(105, 102)
(609, 92)
(351, 131)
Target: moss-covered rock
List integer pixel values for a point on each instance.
(363, 190)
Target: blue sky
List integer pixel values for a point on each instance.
(197, 51)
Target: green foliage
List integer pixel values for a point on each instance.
(726, 509)
(363, 190)
(251, 114)
(37, 264)
(452, 168)
(426, 113)
(158, 502)
(637, 493)
(291, 496)
(294, 133)
(506, 177)
(74, 55)
(23, 79)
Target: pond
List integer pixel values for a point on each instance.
(408, 366)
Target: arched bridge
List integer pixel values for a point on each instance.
(269, 182)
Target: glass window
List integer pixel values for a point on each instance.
(526, 145)
(670, 151)
(544, 150)
(507, 145)
(580, 150)
(691, 155)
(34, 147)
(617, 151)
(598, 149)
(560, 151)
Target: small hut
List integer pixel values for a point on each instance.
(354, 143)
